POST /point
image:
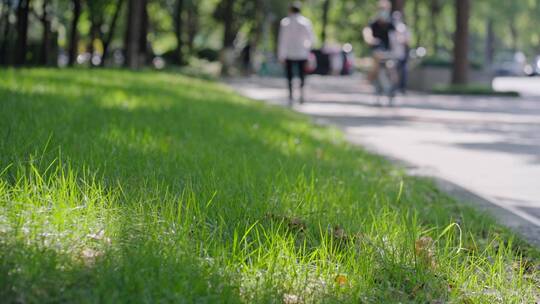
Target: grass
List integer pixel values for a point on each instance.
(118, 186)
(481, 90)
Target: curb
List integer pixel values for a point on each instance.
(523, 227)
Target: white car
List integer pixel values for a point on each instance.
(534, 68)
(510, 64)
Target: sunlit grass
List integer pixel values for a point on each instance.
(118, 186)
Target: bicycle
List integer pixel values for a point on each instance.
(386, 82)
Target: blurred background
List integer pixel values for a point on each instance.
(235, 37)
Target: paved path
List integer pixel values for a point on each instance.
(490, 146)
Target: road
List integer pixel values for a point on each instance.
(487, 145)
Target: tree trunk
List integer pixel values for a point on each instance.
(435, 10)
(4, 12)
(74, 34)
(133, 33)
(490, 42)
(5, 35)
(398, 5)
(110, 34)
(326, 9)
(416, 25)
(193, 24)
(178, 30)
(276, 24)
(46, 38)
(257, 30)
(23, 10)
(461, 43)
(228, 36)
(513, 34)
(143, 37)
(94, 35)
(4, 17)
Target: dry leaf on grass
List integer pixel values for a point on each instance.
(425, 249)
(297, 224)
(450, 287)
(341, 279)
(341, 235)
(293, 223)
(416, 289)
(339, 232)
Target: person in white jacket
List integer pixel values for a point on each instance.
(295, 42)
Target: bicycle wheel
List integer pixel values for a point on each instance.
(387, 88)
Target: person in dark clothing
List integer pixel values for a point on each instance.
(378, 36)
(300, 67)
(381, 29)
(246, 58)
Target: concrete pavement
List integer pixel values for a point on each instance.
(486, 146)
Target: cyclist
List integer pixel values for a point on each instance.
(378, 35)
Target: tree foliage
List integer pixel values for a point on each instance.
(52, 26)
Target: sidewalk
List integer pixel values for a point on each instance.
(483, 149)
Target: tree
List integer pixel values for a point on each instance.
(23, 10)
(233, 14)
(108, 39)
(143, 37)
(74, 32)
(6, 31)
(228, 23)
(46, 40)
(435, 8)
(96, 9)
(416, 24)
(326, 9)
(398, 5)
(461, 42)
(229, 33)
(135, 33)
(490, 42)
(178, 30)
(192, 27)
(258, 25)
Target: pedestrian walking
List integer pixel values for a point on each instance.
(295, 42)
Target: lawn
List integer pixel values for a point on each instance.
(120, 186)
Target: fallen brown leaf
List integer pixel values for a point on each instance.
(297, 224)
(425, 249)
(339, 232)
(294, 223)
(341, 279)
(416, 289)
